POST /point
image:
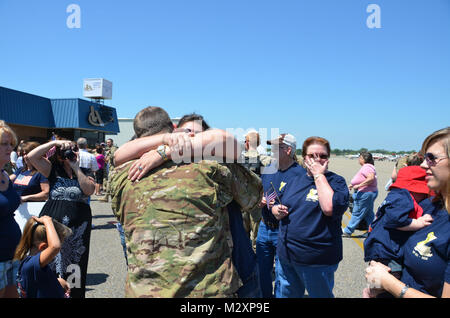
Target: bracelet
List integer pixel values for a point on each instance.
(317, 176)
(403, 291)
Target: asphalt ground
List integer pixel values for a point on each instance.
(107, 267)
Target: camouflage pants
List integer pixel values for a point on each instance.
(107, 183)
(251, 224)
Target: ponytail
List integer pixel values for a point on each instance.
(32, 232)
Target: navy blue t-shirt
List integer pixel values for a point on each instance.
(307, 236)
(426, 255)
(27, 183)
(385, 241)
(37, 282)
(279, 180)
(10, 232)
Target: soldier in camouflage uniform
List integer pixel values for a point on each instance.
(177, 227)
(253, 161)
(110, 149)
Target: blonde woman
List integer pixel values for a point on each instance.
(9, 229)
(426, 271)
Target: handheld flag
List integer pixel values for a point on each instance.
(270, 197)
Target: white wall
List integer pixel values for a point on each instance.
(125, 134)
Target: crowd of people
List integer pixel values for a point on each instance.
(203, 216)
(61, 174)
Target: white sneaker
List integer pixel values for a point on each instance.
(344, 234)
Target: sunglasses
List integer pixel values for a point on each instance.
(433, 160)
(321, 156)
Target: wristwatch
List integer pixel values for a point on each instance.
(403, 291)
(162, 152)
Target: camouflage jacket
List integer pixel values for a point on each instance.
(109, 155)
(265, 160)
(177, 229)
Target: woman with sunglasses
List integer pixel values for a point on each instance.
(309, 246)
(365, 185)
(426, 254)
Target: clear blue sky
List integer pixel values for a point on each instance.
(307, 67)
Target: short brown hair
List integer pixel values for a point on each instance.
(152, 120)
(313, 141)
(253, 138)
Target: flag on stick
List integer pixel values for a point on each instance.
(276, 193)
(270, 197)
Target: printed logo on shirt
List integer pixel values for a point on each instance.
(282, 184)
(422, 250)
(23, 180)
(312, 195)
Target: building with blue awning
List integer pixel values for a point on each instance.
(36, 118)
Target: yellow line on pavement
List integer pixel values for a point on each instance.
(357, 240)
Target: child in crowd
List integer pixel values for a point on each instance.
(398, 216)
(41, 241)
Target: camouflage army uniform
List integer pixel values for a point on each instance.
(109, 159)
(253, 218)
(177, 228)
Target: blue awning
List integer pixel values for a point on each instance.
(25, 109)
(30, 110)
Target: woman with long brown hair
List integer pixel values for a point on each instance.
(70, 189)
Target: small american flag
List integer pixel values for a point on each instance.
(270, 197)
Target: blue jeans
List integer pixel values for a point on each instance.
(243, 256)
(266, 246)
(8, 273)
(122, 240)
(362, 209)
(318, 280)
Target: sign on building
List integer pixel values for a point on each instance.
(97, 88)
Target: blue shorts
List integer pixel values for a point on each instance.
(8, 273)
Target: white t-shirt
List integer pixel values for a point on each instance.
(88, 160)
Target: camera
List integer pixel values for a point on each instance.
(69, 154)
(66, 154)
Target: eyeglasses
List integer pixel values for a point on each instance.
(321, 156)
(433, 160)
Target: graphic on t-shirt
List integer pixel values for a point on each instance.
(423, 251)
(312, 195)
(23, 180)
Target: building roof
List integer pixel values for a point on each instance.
(31, 110)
